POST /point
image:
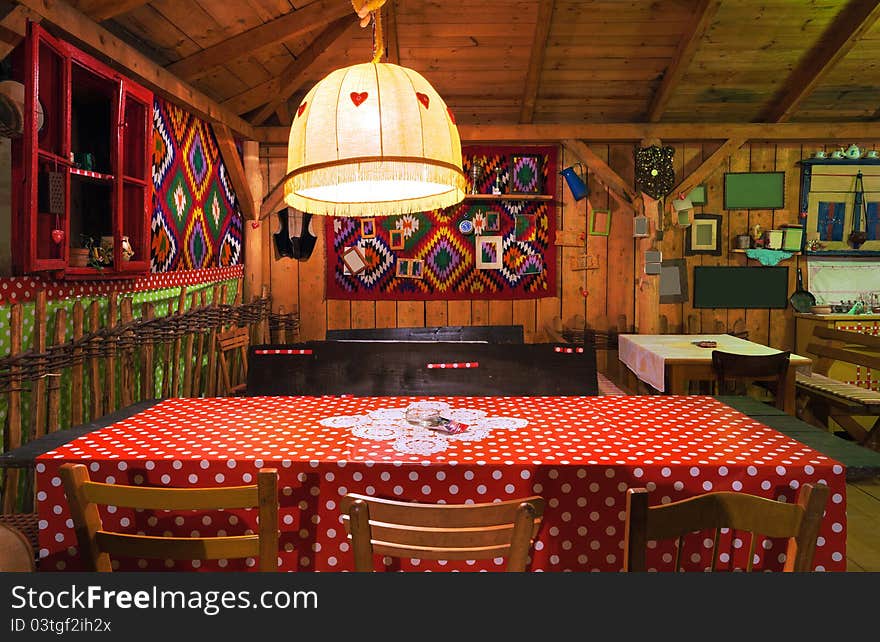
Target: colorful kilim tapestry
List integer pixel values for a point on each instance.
(195, 222)
(433, 255)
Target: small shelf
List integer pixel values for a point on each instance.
(97, 176)
(134, 181)
(90, 273)
(508, 197)
(744, 251)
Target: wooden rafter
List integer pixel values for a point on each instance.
(274, 198)
(99, 10)
(235, 171)
(618, 188)
(629, 132)
(291, 78)
(850, 25)
(283, 29)
(708, 166)
(684, 54)
(135, 64)
(536, 60)
(13, 27)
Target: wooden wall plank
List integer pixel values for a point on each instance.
(38, 390)
(524, 312)
(76, 371)
(621, 282)
(459, 312)
(55, 393)
(12, 432)
(338, 314)
(573, 216)
(410, 314)
(386, 314)
(363, 314)
(500, 312)
(782, 322)
(436, 314)
(480, 312)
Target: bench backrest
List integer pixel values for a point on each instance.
(377, 368)
(842, 345)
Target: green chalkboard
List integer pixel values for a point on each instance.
(754, 190)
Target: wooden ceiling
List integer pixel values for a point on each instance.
(541, 61)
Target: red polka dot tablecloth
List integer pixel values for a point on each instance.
(580, 453)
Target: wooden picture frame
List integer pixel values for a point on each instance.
(354, 260)
(368, 228)
(396, 239)
(673, 286)
(704, 235)
(489, 252)
(493, 221)
(600, 222)
(526, 174)
(403, 268)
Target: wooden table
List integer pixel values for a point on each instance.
(667, 362)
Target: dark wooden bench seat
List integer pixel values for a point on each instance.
(382, 368)
(839, 400)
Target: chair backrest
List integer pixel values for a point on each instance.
(799, 523)
(233, 368)
(97, 545)
(441, 531)
(730, 366)
(16, 552)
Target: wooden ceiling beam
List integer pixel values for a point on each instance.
(684, 54)
(135, 64)
(287, 27)
(291, 78)
(701, 173)
(620, 191)
(634, 132)
(99, 10)
(850, 25)
(235, 171)
(536, 60)
(13, 28)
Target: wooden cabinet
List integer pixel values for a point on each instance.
(84, 165)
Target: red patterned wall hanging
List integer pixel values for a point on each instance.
(433, 255)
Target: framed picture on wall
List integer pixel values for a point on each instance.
(600, 222)
(697, 196)
(704, 235)
(673, 281)
(354, 260)
(489, 252)
(396, 240)
(526, 174)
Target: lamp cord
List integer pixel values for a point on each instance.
(369, 13)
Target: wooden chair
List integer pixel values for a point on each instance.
(16, 552)
(770, 369)
(441, 531)
(97, 544)
(716, 510)
(233, 367)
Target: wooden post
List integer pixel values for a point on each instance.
(188, 353)
(94, 365)
(126, 375)
(148, 375)
(253, 242)
(647, 301)
(211, 383)
(110, 362)
(264, 322)
(76, 371)
(200, 343)
(12, 434)
(55, 377)
(38, 396)
(175, 365)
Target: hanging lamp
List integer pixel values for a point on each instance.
(373, 139)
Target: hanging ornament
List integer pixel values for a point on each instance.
(655, 174)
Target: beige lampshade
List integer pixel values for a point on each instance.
(373, 139)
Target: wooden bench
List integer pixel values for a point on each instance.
(829, 398)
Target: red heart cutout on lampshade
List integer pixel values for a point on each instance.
(57, 236)
(302, 108)
(423, 98)
(451, 116)
(255, 224)
(358, 98)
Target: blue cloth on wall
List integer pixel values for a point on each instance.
(768, 257)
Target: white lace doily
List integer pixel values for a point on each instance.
(421, 444)
(379, 431)
(501, 423)
(344, 421)
(390, 424)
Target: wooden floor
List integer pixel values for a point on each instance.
(862, 510)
